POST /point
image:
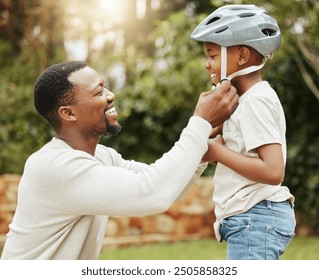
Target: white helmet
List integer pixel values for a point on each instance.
(233, 25)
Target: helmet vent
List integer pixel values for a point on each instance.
(246, 15)
(222, 29)
(213, 20)
(269, 32)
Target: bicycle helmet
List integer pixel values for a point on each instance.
(233, 25)
(247, 25)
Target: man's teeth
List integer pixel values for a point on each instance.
(110, 111)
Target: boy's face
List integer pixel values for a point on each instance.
(213, 64)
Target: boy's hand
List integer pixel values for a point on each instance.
(213, 145)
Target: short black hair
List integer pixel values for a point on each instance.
(53, 89)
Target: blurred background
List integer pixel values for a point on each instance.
(143, 49)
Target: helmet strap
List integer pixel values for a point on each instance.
(223, 70)
(245, 71)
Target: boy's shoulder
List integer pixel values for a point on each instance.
(262, 92)
(261, 89)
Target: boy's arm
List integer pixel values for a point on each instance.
(268, 168)
(216, 130)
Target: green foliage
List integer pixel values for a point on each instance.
(31, 38)
(22, 131)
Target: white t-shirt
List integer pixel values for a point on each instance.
(258, 120)
(66, 196)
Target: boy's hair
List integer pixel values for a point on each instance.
(53, 89)
(233, 25)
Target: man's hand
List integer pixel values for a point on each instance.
(217, 106)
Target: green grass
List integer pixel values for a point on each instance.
(301, 248)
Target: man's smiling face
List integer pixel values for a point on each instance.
(94, 107)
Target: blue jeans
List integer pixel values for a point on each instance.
(261, 233)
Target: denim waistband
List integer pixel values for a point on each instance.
(269, 203)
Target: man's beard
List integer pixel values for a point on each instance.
(112, 129)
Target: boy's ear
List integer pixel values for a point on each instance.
(67, 113)
(244, 55)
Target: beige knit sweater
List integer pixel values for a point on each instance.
(66, 196)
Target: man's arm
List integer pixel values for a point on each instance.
(89, 188)
(140, 166)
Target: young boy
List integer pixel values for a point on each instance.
(254, 213)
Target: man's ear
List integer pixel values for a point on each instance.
(244, 55)
(66, 113)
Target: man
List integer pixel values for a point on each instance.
(72, 184)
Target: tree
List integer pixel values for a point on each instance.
(27, 46)
(298, 20)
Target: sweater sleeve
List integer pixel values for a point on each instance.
(80, 185)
